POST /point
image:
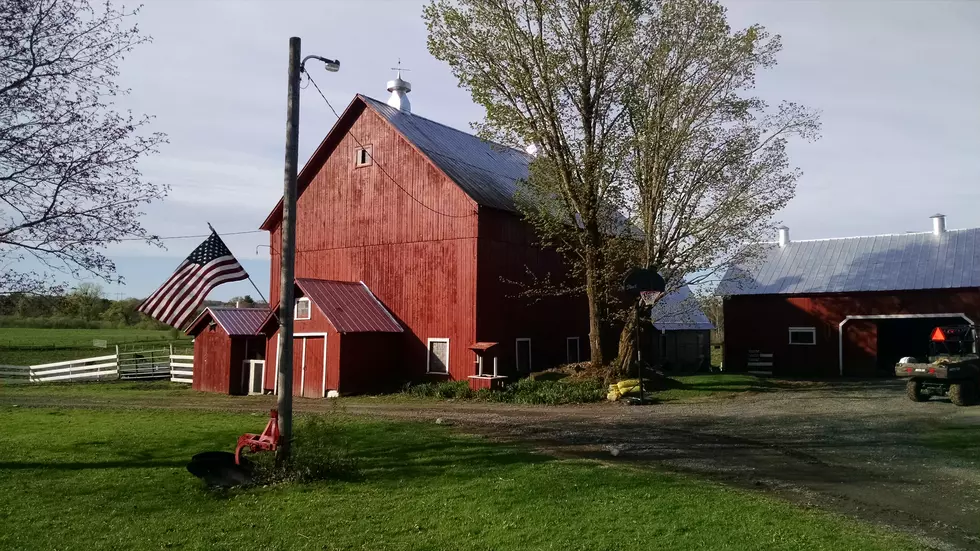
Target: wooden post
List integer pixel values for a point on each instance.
(284, 363)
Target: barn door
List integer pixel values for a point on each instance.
(313, 367)
(299, 354)
(860, 348)
(523, 356)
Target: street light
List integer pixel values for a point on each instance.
(284, 360)
(332, 65)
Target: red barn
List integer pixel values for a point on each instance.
(421, 216)
(851, 306)
(225, 339)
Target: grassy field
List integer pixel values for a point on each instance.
(20, 346)
(716, 386)
(694, 387)
(80, 479)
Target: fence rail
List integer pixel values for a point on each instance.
(86, 368)
(181, 369)
(15, 372)
(141, 365)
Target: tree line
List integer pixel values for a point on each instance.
(86, 307)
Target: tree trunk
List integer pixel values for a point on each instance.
(627, 350)
(594, 295)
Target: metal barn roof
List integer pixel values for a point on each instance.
(488, 172)
(350, 306)
(900, 262)
(680, 311)
(237, 322)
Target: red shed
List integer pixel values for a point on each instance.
(851, 306)
(344, 340)
(224, 340)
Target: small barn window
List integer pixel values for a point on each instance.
(438, 361)
(572, 354)
(802, 335)
(363, 156)
(302, 309)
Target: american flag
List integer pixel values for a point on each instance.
(210, 265)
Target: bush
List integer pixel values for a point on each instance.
(320, 452)
(448, 390)
(529, 391)
(524, 391)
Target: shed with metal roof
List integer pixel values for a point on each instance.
(848, 306)
(228, 347)
(345, 340)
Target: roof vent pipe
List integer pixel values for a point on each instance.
(783, 236)
(938, 224)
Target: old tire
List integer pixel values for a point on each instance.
(963, 394)
(913, 389)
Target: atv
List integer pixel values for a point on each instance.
(953, 368)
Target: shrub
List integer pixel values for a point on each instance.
(529, 391)
(320, 452)
(448, 390)
(524, 391)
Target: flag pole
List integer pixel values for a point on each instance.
(254, 286)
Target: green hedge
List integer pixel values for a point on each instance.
(524, 391)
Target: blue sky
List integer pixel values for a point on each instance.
(898, 83)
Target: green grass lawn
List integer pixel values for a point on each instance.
(694, 387)
(716, 385)
(80, 479)
(21, 346)
(960, 440)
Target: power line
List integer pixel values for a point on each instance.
(169, 237)
(379, 165)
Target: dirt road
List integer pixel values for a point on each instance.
(855, 448)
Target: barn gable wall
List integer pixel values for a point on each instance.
(356, 224)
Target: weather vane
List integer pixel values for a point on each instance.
(399, 68)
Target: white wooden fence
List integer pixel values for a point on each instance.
(181, 369)
(178, 368)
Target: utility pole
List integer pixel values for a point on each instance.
(284, 363)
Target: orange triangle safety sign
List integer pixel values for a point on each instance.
(937, 335)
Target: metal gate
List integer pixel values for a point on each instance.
(146, 363)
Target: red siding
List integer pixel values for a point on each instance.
(212, 360)
(762, 323)
(509, 262)
(369, 363)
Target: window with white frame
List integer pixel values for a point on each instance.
(572, 350)
(803, 335)
(438, 361)
(362, 156)
(302, 311)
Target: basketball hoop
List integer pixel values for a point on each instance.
(649, 297)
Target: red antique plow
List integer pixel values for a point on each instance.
(267, 441)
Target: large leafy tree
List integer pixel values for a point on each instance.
(708, 166)
(554, 74)
(69, 182)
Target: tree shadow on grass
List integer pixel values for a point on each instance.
(83, 465)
